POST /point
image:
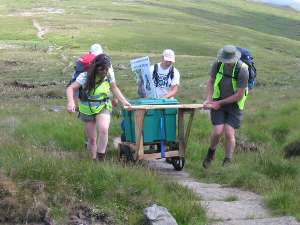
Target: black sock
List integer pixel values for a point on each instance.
(211, 150)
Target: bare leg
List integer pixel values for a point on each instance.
(229, 141)
(90, 131)
(102, 123)
(76, 100)
(216, 135)
(214, 140)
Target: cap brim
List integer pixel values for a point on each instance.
(169, 59)
(96, 53)
(232, 60)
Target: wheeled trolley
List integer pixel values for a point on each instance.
(173, 149)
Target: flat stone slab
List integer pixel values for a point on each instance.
(286, 220)
(216, 192)
(167, 169)
(220, 210)
(194, 185)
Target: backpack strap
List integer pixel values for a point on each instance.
(236, 71)
(218, 66)
(238, 68)
(155, 68)
(155, 75)
(171, 72)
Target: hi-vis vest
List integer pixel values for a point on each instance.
(96, 100)
(216, 88)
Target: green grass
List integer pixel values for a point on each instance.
(120, 191)
(40, 144)
(41, 150)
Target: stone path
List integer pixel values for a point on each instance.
(224, 205)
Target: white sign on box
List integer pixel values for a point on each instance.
(141, 72)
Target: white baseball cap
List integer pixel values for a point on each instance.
(169, 55)
(96, 49)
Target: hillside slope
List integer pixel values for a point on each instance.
(39, 43)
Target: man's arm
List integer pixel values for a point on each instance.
(174, 84)
(172, 92)
(209, 85)
(231, 99)
(208, 99)
(209, 88)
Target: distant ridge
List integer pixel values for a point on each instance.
(290, 4)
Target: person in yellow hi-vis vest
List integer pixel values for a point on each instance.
(226, 95)
(95, 105)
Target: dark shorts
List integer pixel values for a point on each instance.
(88, 118)
(229, 114)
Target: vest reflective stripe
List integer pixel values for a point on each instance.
(94, 104)
(100, 96)
(216, 88)
(93, 107)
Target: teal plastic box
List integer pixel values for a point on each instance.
(159, 124)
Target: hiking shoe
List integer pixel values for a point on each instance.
(209, 158)
(100, 156)
(86, 145)
(226, 162)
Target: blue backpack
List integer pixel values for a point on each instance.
(247, 58)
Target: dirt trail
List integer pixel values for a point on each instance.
(223, 205)
(41, 31)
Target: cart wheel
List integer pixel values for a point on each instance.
(178, 163)
(126, 154)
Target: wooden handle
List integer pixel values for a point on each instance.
(179, 106)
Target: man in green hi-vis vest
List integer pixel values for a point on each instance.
(226, 95)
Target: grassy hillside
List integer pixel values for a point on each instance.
(38, 144)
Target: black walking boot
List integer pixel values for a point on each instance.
(101, 156)
(226, 161)
(209, 158)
